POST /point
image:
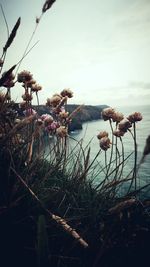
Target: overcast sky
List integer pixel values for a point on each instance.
(100, 49)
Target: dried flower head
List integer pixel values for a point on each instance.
(118, 133)
(27, 97)
(67, 92)
(102, 134)
(36, 87)
(47, 118)
(105, 143)
(55, 100)
(63, 114)
(30, 83)
(134, 117)
(24, 76)
(53, 126)
(124, 125)
(117, 116)
(107, 113)
(62, 131)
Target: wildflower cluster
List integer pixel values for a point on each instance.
(57, 104)
(122, 125)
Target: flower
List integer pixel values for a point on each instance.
(102, 134)
(36, 87)
(124, 125)
(105, 143)
(54, 101)
(27, 97)
(67, 92)
(47, 118)
(117, 116)
(107, 113)
(53, 126)
(118, 133)
(30, 83)
(134, 117)
(24, 76)
(63, 114)
(62, 131)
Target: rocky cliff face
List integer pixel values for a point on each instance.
(87, 113)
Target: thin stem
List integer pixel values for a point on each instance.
(135, 158)
(30, 40)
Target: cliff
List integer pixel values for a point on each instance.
(87, 113)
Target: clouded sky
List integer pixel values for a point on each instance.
(99, 49)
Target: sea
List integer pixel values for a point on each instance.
(88, 135)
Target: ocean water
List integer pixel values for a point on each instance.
(91, 129)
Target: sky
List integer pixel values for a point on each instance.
(99, 49)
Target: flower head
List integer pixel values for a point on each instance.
(30, 83)
(118, 133)
(107, 113)
(117, 116)
(67, 92)
(24, 76)
(124, 125)
(134, 117)
(63, 114)
(36, 87)
(105, 143)
(102, 134)
(27, 97)
(53, 126)
(62, 131)
(53, 101)
(47, 118)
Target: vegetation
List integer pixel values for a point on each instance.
(59, 206)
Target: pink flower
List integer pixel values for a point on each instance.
(54, 125)
(118, 133)
(117, 116)
(102, 134)
(107, 113)
(124, 125)
(67, 92)
(105, 143)
(134, 117)
(47, 118)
